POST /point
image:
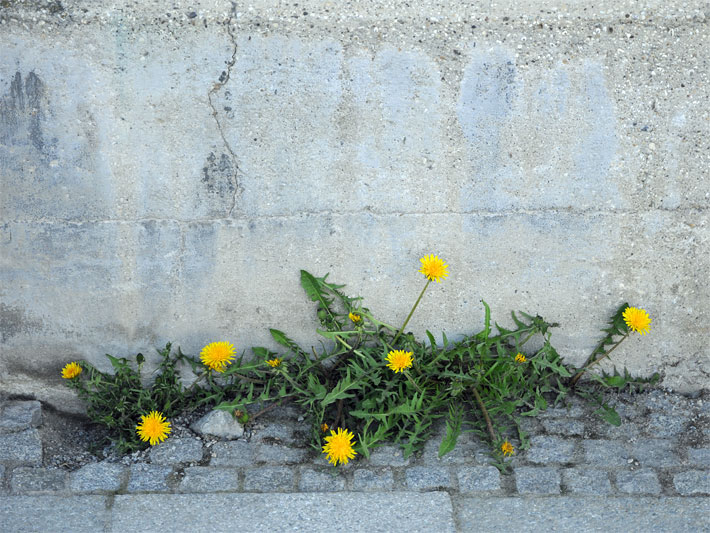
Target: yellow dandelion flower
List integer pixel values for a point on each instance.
(324, 427)
(339, 446)
(433, 268)
(273, 363)
(637, 320)
(71, 370)
(355, 318)
(398, 360)
(507, 448)
(217, 355)
(520, 358)
(153, 428)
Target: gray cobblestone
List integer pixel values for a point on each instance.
(232, 453)
(388, 456)
(428, 478)
(466, 452)
(478, 478)
(666, 425)
(564, 426)
(277, 454)
(537, 480)
(98, 477)
(586, 481)
(572, 409)
(605, 453)
(644, 481)
(366, 479)
(626, 431)
(209, 479)
(692, 482)
(148, 478)
(177, 450)
(27, 480)
(20, 415)
(277, 431)
(22, 448)
(320, 481)
(699, 456)
(546, 450)
(655, 452)
(270, 479)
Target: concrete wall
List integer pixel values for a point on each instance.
(166, 170)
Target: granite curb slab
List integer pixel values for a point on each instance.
(312, 512)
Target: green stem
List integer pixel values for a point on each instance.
(412, 381)
(579, 374)
(401, 330)
(483, 409)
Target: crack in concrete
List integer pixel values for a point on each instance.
(215, 88)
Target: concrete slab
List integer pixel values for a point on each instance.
(583, 514)
(41, 514)
(313, 512)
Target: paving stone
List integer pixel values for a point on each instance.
(177, 450)
(605, 452)
(27, 479)
(699, 456)
(209, 479)
(564, 426)
(666, 425)
(626, 431)
(232, 453)
(269, 479)
(219, 424)
(51, 513)
(544, 450)
(20, 415)
(622, 514)
(388, 456)
(428, 478)
(537, 480)
(366, 479)
(2, 476)
(644, 481)
(572, 410)
(692, 482)
(478, 478)
(655, 452)
(21, 448)
(466, 452)
(320, 481)
(277, 454)
(530, 424)
(586, 481)
(98, 477)
(275, 432)
(148, 478)
(281, 513)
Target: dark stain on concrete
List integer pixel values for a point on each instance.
(22, 112)
(217, 175)
(14, 321)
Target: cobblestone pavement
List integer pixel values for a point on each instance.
(652, 473)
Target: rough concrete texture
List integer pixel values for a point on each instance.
(167, 170)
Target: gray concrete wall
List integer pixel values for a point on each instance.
(166, 170)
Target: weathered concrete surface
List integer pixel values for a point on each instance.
(166, 173)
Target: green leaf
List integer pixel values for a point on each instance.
(281, 338)
(453, 429)
(609, 415)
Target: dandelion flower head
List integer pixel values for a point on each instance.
(273, 363)
(398, 360)
(520, 358)
(354, 317)
(433, 268)
(637, 320)
(217, 355)
(507, 448)
(153, 428)
(339, 447)
(71, 370)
